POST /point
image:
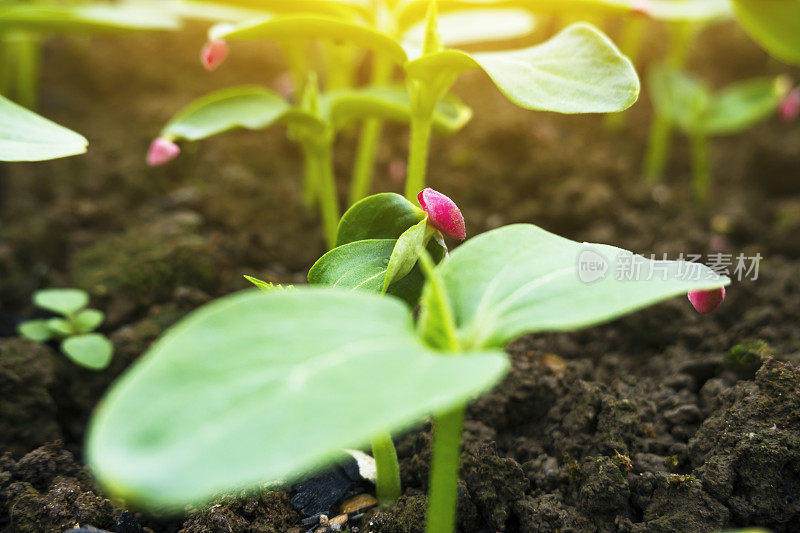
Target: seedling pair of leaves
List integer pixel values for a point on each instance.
(378, 244)
(700, 113)
(73, 328)
(263, 387)
(313, 123)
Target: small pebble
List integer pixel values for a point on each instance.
(337, 523)
(359, 503)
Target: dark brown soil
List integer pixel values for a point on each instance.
(665, 421)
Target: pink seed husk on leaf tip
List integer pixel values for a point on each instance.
(443, 213)
(214, 53)
(789, 108)
(162, 151)
(706, 301)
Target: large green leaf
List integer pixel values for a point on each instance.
(392, 103)
(259, 387)
(774, 24)
(26, 136)
(741, 105)
(84, 18)
(380, 216)
(521, 279)
(311, 27)
(577, 71)
(248, 106)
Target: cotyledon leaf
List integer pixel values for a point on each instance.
(313, 27)
(380, 216)
(250, 106)
(26, 136)
(521, 279)
(84, 18)
(311, 7)
(258, 387)
(774, 24)
(577, 71)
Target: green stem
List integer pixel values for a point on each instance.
(310, 177)
(21, 68)
(387, 468)
(657, 147)
(701, 168)
(295, 53)
(443, 486)
(419, 145)
(328, 199)
(367, 150)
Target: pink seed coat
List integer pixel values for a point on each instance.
(789, 108)
(162, 151)
(214, 53)
(443, 214)
(706, 301)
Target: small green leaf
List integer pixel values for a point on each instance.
(92, 350)
(87, 320)
(62, 301)
(35, 330)
(265, 285)
(26, 136)
(476, 26)
(577, 71)
(680, 97)
(315, 27)
(323, 7)
(741, 105)
(264, 387)
(84, 18)
(380, 216)
(774, 24)
(406, 253)
(60, 327)
(521, 279)
(392, 103)
(248, 106)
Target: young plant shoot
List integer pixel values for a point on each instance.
(312, 123)
(24, 26)
(689, 105)
(73, 327)
(218, 405)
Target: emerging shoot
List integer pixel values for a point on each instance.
(706, 301)
(162, 151)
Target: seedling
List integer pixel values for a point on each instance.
(72, 328)
(25, 25)
(313, 123)
(26, 136)
(262, 387)
(689, 105)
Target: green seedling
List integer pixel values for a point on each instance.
(26, 136)
(25, 25)
(689, 105)
(312, 123)
(73, 328)
(578, 71)
(263, 387)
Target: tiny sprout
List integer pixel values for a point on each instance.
(706, 301)
(443, 213)
(214, 53)
(162, 151)
(789, 108)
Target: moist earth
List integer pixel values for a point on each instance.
(664, 421)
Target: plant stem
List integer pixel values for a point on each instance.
(387, 468)
(419, 145)
(657, 147)
(630, 44)
(701, 168)
(326, 190)
(310, 176)
(443, 486)
(367, 150)
(21, 67)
